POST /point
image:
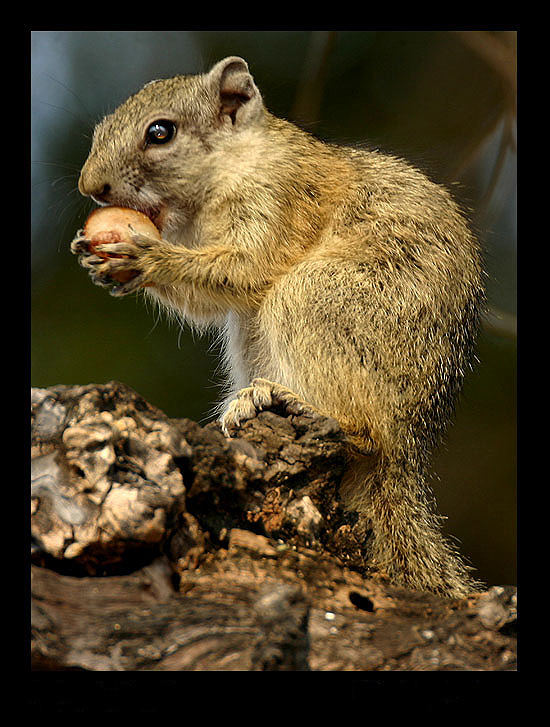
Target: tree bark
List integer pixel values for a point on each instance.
(158, 544)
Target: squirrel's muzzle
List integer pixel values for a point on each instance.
(93, 185)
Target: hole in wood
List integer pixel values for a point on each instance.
(362, 602)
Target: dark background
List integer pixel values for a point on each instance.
(445, 100)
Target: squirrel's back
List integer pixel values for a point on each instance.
(375, 324)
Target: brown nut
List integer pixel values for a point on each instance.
(112, 224)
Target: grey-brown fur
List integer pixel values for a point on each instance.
(342, 279)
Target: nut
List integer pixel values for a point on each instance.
(115, 224)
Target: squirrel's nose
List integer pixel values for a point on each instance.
(102, 195)
(91, 186)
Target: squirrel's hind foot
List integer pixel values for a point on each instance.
(260, 395)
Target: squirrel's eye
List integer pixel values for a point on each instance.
(160, 132)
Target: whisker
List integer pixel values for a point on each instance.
(73, 167)
(70, 90)
(80, 119)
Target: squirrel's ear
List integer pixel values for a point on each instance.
(238, 95)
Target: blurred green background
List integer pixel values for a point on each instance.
(445, 100)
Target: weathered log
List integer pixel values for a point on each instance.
(158, 544)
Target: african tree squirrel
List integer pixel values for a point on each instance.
(343, 281)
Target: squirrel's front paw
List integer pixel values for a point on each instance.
(262, 394)
(118, 265)
(123, 264)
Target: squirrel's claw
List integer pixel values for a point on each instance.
(80, 244)
(117, 248)
(122, 289)
(100, 281)
(89, 262)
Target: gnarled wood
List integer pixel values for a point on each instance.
(158, 544)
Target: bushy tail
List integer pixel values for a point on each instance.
(407, 542)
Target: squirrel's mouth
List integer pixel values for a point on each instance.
(155, 214)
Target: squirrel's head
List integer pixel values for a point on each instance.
(155, 150)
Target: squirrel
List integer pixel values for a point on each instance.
(343, 281)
